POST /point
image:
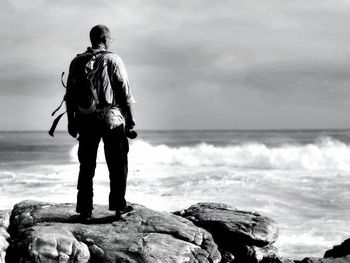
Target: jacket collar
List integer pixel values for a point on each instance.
(95, 50)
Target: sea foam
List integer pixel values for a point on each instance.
(324, 154)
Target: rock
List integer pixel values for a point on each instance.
(247, 235)
(326, 260)
(44, 232)
(3, 247)
(261, 253)
(338, 254)
(226, 257)
(5, 219)
(277, 260)
(4, 235)
(341, 250)
(42, 244)
(286, 260)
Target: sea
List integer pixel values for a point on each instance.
(299, 178)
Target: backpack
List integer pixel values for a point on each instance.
(83, 93)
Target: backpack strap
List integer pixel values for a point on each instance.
(64, 97)
(54, 124)
(57, 119)
(98, 57)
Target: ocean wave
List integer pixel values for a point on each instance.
(7, 175)
(324, 154)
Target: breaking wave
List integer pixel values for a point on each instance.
(324, 154)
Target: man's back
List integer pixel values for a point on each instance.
(108, 75)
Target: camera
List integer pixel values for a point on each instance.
(131, 134)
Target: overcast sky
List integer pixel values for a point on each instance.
(263, 64)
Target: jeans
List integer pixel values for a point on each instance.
(116, 148)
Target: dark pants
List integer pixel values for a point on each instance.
(116, 147)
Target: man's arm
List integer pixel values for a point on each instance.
(122, 91)
(129, 119)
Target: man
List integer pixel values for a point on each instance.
(110, 90)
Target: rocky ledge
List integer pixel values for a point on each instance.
(205, 232)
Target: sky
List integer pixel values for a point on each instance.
(192, 64)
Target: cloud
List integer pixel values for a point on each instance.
(28, 80)
(302, 84)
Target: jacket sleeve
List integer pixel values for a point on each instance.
(120, 82)
(122, 91)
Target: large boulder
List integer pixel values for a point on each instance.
(341, 250)
(248, 236)
(46, 232)
(4, 235)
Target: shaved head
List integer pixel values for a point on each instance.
(98, 35)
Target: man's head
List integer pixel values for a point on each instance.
(100, 36)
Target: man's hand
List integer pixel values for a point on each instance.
(129, 124)
(72, 130)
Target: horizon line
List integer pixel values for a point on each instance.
(206, 129)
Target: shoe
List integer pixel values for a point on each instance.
(85, 216)
(125, 210)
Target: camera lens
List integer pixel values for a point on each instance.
(131, 134)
